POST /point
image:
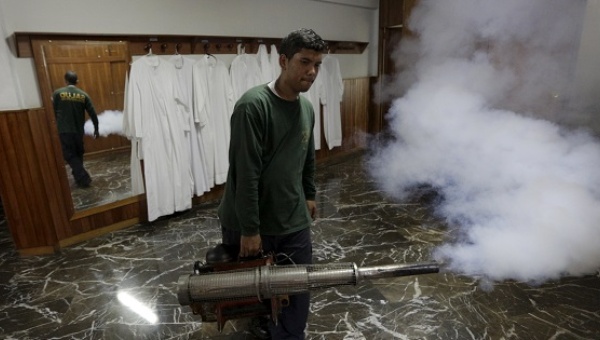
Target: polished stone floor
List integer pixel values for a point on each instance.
(81, 292)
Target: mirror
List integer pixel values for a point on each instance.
(101, 67)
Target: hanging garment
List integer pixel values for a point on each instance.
(266, 72)
(213, 105)
(334, 90)
(314, 95)
(157, 115)
(274, 58)
(135, 167)
(184, 68)
(245, 74)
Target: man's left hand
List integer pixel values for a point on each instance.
(312, 208)
(96, 134)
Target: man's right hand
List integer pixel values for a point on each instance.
(250, 245)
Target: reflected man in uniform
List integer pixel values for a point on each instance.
(70, 104)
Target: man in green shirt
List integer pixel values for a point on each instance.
(70, 104)
(269, 199)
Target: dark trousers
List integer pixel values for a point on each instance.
(291, 248)
(72, 149)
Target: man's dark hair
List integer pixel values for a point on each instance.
(299, 39)
(71, 77)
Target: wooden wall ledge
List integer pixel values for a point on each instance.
(183, 44)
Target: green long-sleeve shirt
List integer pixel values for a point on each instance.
(271, 165)
(70, 104)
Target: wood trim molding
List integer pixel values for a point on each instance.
(183, 44)
(97, 232)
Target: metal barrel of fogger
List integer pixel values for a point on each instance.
(267, 281)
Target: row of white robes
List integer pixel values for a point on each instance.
(155, 120)
(177, 114)
(213, 105)
(177, 117)
(249, 70)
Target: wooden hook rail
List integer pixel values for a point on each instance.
(180, 44)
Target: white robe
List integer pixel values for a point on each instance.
(245, 74)
(135, 166)
(334, 90)
(264, 62)
(157, 114)
(274, 58)
(314, 95)
(213, 106)
(184, 67)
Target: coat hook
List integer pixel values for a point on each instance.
(163, 47)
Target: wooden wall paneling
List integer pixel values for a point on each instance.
(323, 153)
(27, 183)
(58, 201)
(391, 12)
(11, 183)
(376, 118)
(321, 135)
(7, 193)
(33, 184)
(355, 117)
(361, 104)
(347, 109)
(21, 182)
(347, 113)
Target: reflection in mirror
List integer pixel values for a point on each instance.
(101, 67)
(111, 180)
(110, 171)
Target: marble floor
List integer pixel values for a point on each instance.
(79, 292)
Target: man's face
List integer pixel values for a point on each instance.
(301, 70)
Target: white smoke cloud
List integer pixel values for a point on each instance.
(109, 122)
(522, 192)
